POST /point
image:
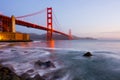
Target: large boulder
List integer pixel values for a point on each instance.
(88, 54)
(47, 64)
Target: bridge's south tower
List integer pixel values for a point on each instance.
(49, 24)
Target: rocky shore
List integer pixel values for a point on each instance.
(7, 72)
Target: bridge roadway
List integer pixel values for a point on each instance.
(30, 25)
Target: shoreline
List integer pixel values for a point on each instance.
(16, 40)
(7, 73)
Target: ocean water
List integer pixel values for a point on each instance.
(67, 55)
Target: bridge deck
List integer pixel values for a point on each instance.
(30, 25)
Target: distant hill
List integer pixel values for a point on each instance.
(34, 36)
(83, 38)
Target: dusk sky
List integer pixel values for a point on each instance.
(86, 18)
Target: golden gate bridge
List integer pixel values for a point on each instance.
(7, 24)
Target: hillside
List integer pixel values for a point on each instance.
(34, 36)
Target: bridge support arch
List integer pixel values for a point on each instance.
(49, 24)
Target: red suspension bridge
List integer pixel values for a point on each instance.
(6, 23)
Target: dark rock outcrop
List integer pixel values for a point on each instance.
(9, 66)
(30, 71)
(7, 74)
(25, 76)
(38, 77)
(55, 75)
(47, 64)
(87, 54)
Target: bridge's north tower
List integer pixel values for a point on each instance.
(70, 35)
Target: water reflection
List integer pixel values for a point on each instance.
(51, 44)
(25, 44)
(6, 45)
(47, 44)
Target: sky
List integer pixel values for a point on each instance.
(86, 18)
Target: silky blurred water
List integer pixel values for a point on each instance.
(67, 55)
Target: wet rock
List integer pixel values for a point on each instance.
(1, 66)
(47, 64)
(25, 76)
(30, 71)
(7, 74)
(9, 66)
(55, 75)
(38, 77)
(88, 54)
(13, 50)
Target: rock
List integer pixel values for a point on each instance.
(38, 63)
(13, 50)
(46, 64)
(87, 54)
(38, 77)
(1, 66)
(30, 71)
(7, 74)
(25, 76)
(9, 66)
(55, 75)
(49, 64)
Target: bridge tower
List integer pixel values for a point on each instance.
(70, 34)
(49, 24)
